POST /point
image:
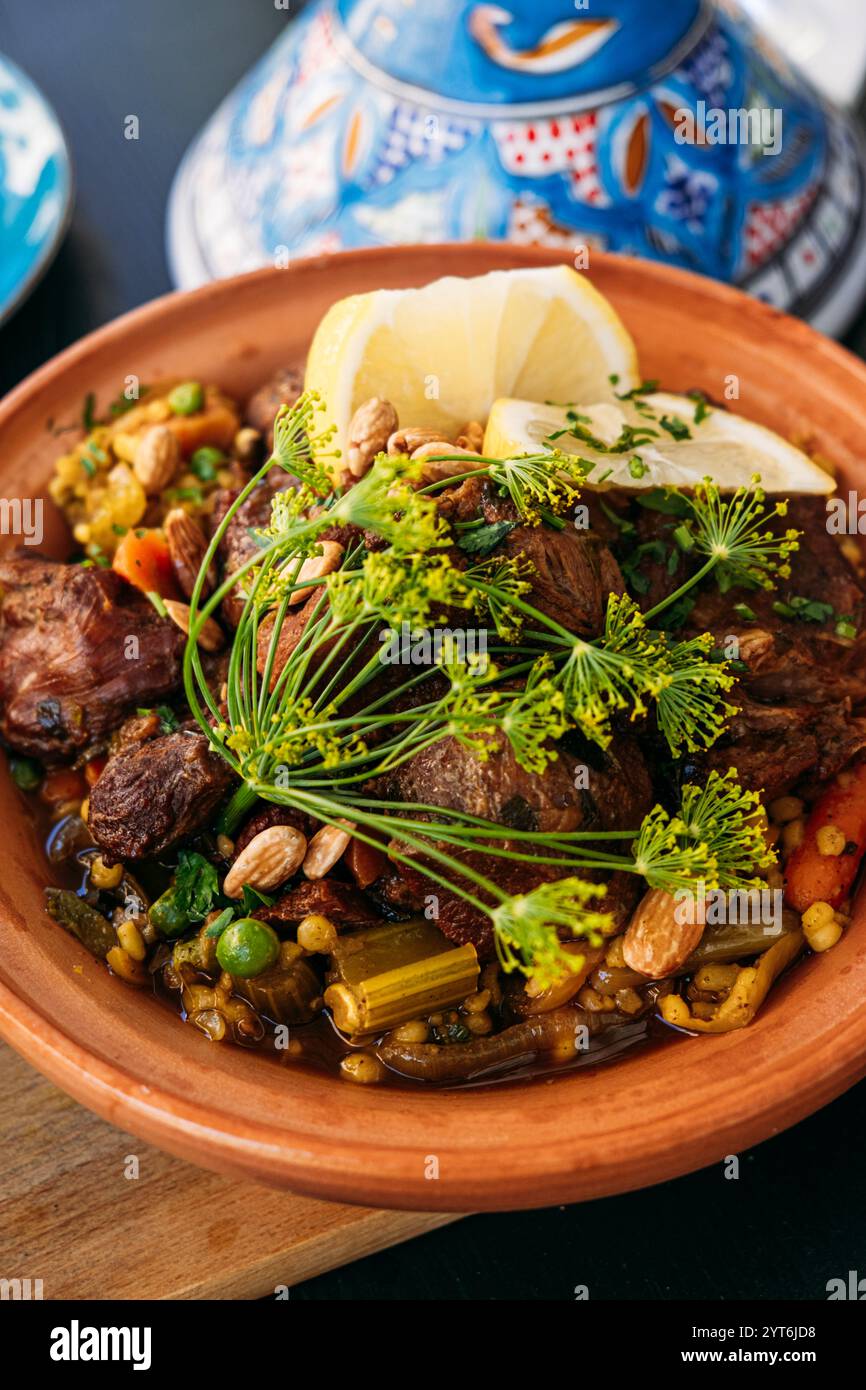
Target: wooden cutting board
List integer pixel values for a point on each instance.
(95, 1213)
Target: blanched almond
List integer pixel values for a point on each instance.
(316, 567)
(327, 846)
(268, 860)
(157, 456)
(187, 546)
(471, 436)
(408, 440)
(211, 637)
(660, 938)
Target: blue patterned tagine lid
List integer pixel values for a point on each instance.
(662, 128)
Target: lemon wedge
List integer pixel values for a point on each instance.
(656, 440)
(444, 353)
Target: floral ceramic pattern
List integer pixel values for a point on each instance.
(319, 150)
(35, 184)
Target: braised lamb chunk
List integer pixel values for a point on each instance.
(574, 571)
(773, 747)
(341, 903)
(79, 649)
(612, 792)
(790, 657)
(283, 388)
(155, 792)
(239, 544)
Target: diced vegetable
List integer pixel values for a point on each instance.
(288, 993)
(746, 996)
(736, 940)
(388, 975)
(364, 862)
(535, 1001)
(190, 896)
(93, 930)
(144, 559)
(186, 398)
(811, 876)
(199, 951)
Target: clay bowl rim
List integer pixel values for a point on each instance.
(513, 1173)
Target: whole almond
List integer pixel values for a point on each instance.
(369, 429)
(660, 938)
(406, 441)
(211, 637)
(268, 860)
(157, 457)
(327, 846)
(316, 567)
(187, 546)
(471, 436)
(435, 470)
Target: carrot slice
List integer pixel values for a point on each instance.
(812, 877)
(143, 558)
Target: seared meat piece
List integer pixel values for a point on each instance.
(789, 658)
(153, 793)
(774, 746)
(238, 545)
(283, 388)
(617, 796)
(266, 816)
(447, 774)
(79, 648)
(341, 903)
(574, 570)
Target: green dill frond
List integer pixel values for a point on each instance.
(413, 589)
(502, 579)
(472, 705)
(526, 928)
(717, 837)
(615, 673)
(385, 502)
(539, 483)
(727, 819)
(668, 857)
(734, 533)
(690, 706)
(302, 450)
(535, 719)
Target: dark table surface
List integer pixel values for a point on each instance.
(795, 1216)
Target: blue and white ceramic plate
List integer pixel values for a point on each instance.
(35, 186)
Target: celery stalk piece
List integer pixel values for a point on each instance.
(388, 975)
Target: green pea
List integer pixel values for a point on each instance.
(186, 398)
(205, 462)
(248, 948)
(26, 773)
(168, 914)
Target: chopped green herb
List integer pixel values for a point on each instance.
(123, 403)
(637, 468)
(88, 413)
(483, 539)
(675, 427)
(218, 927)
